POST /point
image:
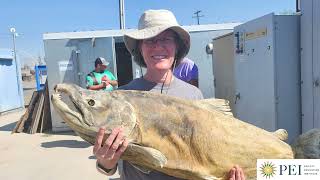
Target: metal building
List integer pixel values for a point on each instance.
(10, 82)
(266, 72)
(70, 57)
(310, 64)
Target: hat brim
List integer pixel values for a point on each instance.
(132, 38)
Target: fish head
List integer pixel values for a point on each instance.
(86, 107)
(86, 110)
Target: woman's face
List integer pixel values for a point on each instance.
(159, 52)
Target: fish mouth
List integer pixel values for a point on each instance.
(73, 113)
(70, 111)
(68, 99)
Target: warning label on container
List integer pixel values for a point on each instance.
(65, 66)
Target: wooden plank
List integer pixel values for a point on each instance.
(32, 113)
(42, 117)
(46, 124)
(33, 116)
(35, 121)
(20, 126)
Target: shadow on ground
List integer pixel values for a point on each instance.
(69, 133)
(66, 143)
(8, 127)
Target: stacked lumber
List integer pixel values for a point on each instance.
(37, 117)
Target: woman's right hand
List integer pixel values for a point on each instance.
(108, 153)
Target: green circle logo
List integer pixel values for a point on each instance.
(268, 170)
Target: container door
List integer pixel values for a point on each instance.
(89, 50)
(223, 68)
(61, 59)
(307, 87)
(254, 72)
(316, 62)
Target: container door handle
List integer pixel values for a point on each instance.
(236, 98)
(316, 83)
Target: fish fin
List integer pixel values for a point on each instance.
(147, 155)
(141, 168)
(211, 178)
(221, 105)
(282, 134)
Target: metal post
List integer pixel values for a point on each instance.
(13, 31)
(121, 14)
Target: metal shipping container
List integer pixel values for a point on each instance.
(10, 82)
(267, 73)
(310, 64)
(70, 57)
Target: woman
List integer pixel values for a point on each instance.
(159, 44)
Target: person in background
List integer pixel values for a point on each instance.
(100, 78)
(159, 44)
(187, 71)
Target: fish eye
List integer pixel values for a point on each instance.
(91, 102)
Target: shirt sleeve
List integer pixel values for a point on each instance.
(111, 77)
(89, 81)
(194, 72)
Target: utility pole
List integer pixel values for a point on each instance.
(121, 14)
(198, 16)
(14, 35)
(13, 31)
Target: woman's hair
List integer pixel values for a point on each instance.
(138, 58)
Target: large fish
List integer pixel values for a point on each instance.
(183, 138)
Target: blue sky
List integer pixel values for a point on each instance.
(32, 18)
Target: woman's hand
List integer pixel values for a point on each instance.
(236, 173)
(108, 153)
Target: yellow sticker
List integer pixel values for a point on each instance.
(257, 34)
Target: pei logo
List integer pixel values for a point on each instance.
(267, 170)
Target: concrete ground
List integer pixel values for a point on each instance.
(44, 156)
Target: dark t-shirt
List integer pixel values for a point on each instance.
(177, 88)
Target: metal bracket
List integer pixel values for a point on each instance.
(316, 83)
(236, 98)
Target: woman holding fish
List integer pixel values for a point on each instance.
(159, 44)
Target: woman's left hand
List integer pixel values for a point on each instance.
(236, 173)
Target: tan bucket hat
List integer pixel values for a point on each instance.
(151, 24)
